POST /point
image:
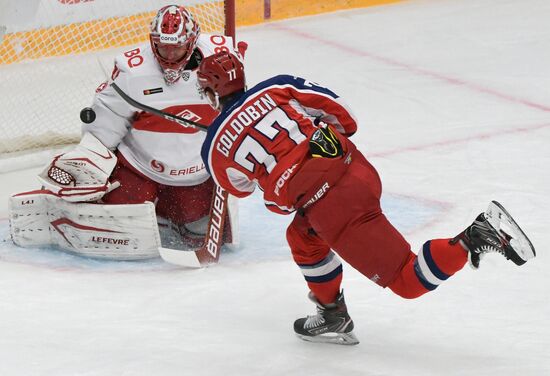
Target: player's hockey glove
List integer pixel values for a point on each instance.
(324, 144)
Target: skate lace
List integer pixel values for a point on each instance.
(486, 232)
(484, 249)
(314, 320)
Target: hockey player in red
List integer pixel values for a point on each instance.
(290, 137)
(151, 159)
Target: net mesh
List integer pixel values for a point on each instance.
(49, 73)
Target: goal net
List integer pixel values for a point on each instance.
(54, 53)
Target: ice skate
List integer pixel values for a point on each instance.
(331, 324)
(495, 231)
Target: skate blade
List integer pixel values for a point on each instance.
(503, 222)
(334, 338)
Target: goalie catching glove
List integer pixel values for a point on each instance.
(81, 174)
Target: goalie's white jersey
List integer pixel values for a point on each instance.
(165, 152)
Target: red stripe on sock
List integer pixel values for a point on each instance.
(448, 258)
(326, 292)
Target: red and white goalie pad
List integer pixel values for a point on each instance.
(114, 232)
(81, 174)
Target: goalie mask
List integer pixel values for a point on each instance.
(221, 75)
(173, 38)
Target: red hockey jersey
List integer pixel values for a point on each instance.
(262, 138)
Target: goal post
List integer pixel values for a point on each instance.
(51, 58)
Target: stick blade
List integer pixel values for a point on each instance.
(209, 252)
(179, 257)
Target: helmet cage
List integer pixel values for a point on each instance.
(173, 32)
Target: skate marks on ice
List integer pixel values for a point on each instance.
(262, 238)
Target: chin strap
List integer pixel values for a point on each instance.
(214, 101)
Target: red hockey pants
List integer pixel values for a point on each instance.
(179, 204)
(348, 219)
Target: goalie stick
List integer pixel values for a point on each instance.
(209, 252)
(175, 118)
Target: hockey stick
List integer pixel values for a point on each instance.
(175, 118)
(209, 252)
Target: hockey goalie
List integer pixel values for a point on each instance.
(136, 183)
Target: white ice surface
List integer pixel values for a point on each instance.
(453, 101)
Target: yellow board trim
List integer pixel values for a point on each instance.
(251, 12)
(127, 31)
(66, 39)
(84, 37)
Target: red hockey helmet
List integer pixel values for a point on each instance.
(173, 36)
(222, 74)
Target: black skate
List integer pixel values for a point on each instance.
(495, 231)
(331, 324)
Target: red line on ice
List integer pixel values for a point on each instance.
(411, 68)
(423, 72)
(463, 140)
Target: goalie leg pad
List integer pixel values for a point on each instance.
(115, 232)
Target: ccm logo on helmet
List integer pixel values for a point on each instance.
(168, 38)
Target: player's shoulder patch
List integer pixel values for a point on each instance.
(300, 83)
(210, 44)
(137, 59)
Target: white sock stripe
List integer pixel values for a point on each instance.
(426, 271)
(324, 261)
(326, 266)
